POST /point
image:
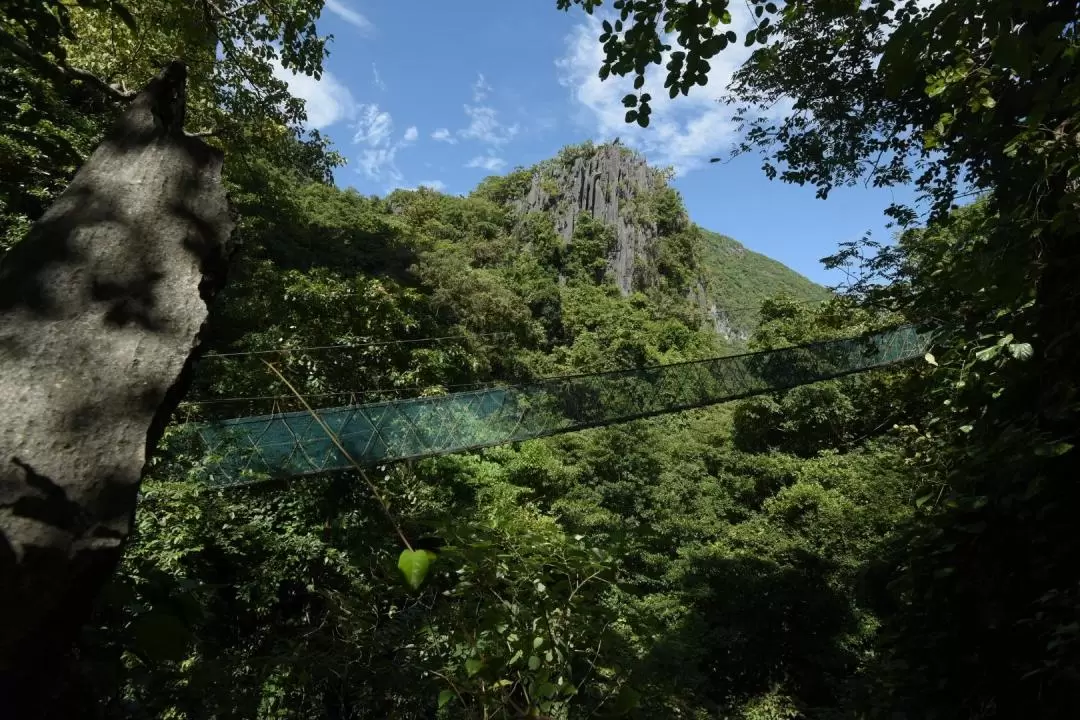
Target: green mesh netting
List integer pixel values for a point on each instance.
(293, 443)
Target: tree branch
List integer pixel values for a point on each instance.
(59, 73)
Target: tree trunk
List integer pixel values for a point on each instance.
(101, 309)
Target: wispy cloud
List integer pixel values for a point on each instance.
(481, 89)
(346, 13)
(374, 127)
(437, 185)
(487, 162)
(683, 132)
(377, 78)
(484, 125)
(378, 157)
(444, 135)
(327, 100)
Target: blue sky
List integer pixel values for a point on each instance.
(445, 93)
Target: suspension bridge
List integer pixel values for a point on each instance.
(289, 444)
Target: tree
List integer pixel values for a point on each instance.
(65, 70)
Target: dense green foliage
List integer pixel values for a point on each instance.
(959, 98)
(894, 544)
(740, 280)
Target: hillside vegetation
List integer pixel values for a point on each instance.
(741, 279)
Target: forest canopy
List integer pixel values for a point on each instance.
(891, 544)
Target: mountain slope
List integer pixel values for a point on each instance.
(740, 279)
(657, 247)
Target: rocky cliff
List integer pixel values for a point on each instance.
(608, 182)
(617, 186)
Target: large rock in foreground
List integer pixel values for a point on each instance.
(101, 308)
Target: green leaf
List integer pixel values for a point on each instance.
(534, 662)
(629, 100)
(966, 428)
(537, 642)
(414, 565)
(988, 353)
(473, 665)
(1021, 351)
(444, 697)
(930, 359)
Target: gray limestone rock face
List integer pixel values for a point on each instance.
(101, 310)
(604, 185)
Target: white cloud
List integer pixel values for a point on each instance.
(488, 162)
(377, 78)
(481, 88)
(683, 132)
(380, 164)
(484, 126)
(346, 13)
(437, 185)
(374, 127)
(327, 100)
(444, 135)
(378, 159)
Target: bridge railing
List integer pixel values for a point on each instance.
(294, 443)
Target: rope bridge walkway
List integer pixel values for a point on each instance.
(293, 443)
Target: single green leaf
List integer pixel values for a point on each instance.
(988, 353)
(534, 662)
(546, 690)
(930, 359)
(473, 665)
(966, 428)
(414, 565)
(444, 697)
(537, 641)
(1021, 351)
